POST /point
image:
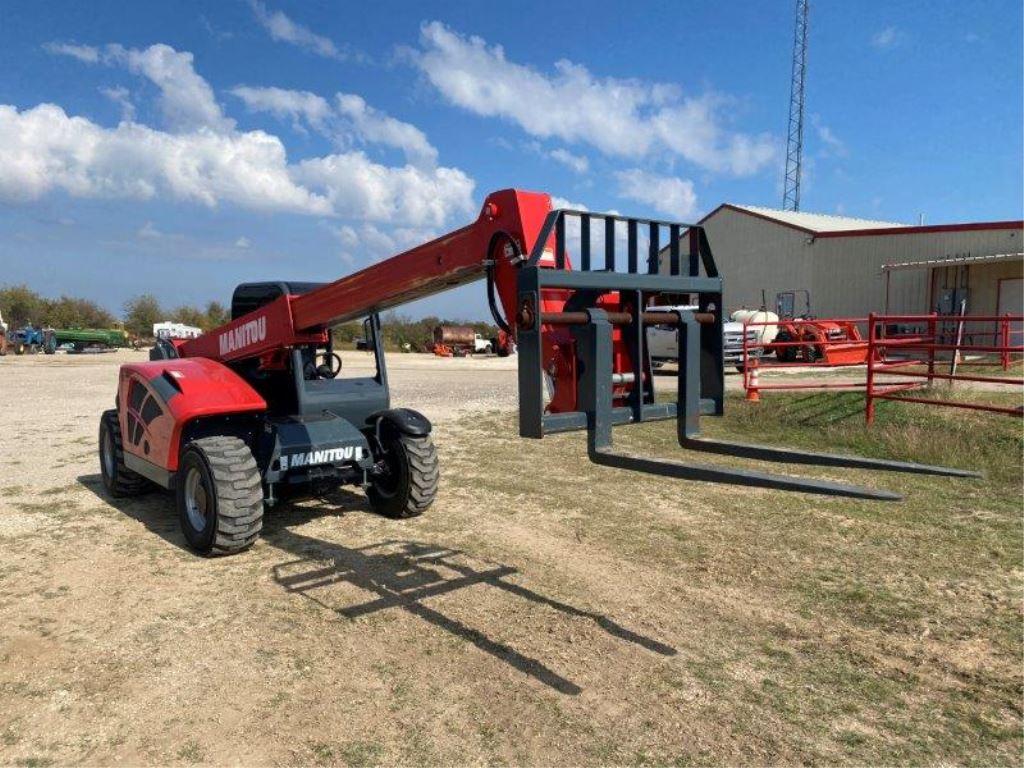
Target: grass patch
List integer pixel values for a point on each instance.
(832, 630)
(191, 752)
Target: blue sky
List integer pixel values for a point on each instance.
(185, 147)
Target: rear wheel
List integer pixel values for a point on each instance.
(787, 354)
(407, 482)
(117, 478)
(219, 494)
(19, 348)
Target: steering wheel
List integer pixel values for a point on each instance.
(330, 367)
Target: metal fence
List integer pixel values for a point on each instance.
(893, 356)
(925, 351)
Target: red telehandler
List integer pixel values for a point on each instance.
(229, 419)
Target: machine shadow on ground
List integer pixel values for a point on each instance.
(156, 510)
(402, 574)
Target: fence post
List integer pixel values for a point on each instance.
(745, 360)
(932, 341)
(1005, 353)
(869, 402)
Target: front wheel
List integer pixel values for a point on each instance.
(117, 478)
(219, 494)
(406, 482)
(813, 353)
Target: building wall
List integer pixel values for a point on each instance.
(752, 254)
(983, 290)
(843, 274)
(848, 270)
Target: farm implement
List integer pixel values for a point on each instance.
(811, 340)
(32, 340)
(233, 419)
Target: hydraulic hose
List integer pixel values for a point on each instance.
(492, 302)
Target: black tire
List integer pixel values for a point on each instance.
(812, 353)
(409, 484)
(219, 493)
(786, 354)
(117, 478)
(19, 348)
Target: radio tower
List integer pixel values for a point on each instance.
(795, 142)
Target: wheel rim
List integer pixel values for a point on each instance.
(107, 453)
(386, 484)
(197, 499)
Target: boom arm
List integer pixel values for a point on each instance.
(453, 259)
(507, 217)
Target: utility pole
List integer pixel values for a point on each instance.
(795, 140)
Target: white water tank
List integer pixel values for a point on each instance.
(765, 333)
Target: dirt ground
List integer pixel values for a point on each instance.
(515, 622)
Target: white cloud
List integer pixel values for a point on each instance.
(353, 120)
(283, 29)
(369, 242)
(120, 96)
(281, 102)
(43, 149)
(666, 194)
(378, 128)
(242, 242)
(833, 145)
(356, 187)
(625, 118)
(576, 163)
(206, 160)
(186, 99)
(885, 38)
(149, 232)
(84, 53)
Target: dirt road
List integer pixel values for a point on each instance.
(541, 611)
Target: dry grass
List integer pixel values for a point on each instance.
(543, 611)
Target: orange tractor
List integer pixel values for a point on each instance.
(805, 338)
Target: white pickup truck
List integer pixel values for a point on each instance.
(663, 341)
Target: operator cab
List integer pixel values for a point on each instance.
(310, 384)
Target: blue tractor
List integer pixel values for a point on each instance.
(31, 339)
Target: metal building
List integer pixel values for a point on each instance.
(855, 266)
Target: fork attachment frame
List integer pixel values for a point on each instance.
(700, 381)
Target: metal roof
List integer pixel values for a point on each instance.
(953, 260)
(818, 222)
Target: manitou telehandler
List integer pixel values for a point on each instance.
(231, 418)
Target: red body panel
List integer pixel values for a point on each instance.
(181, 390)
(268, 328)
(508, 225)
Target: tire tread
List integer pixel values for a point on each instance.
(239, 491)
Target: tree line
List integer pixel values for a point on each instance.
(21, 306)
